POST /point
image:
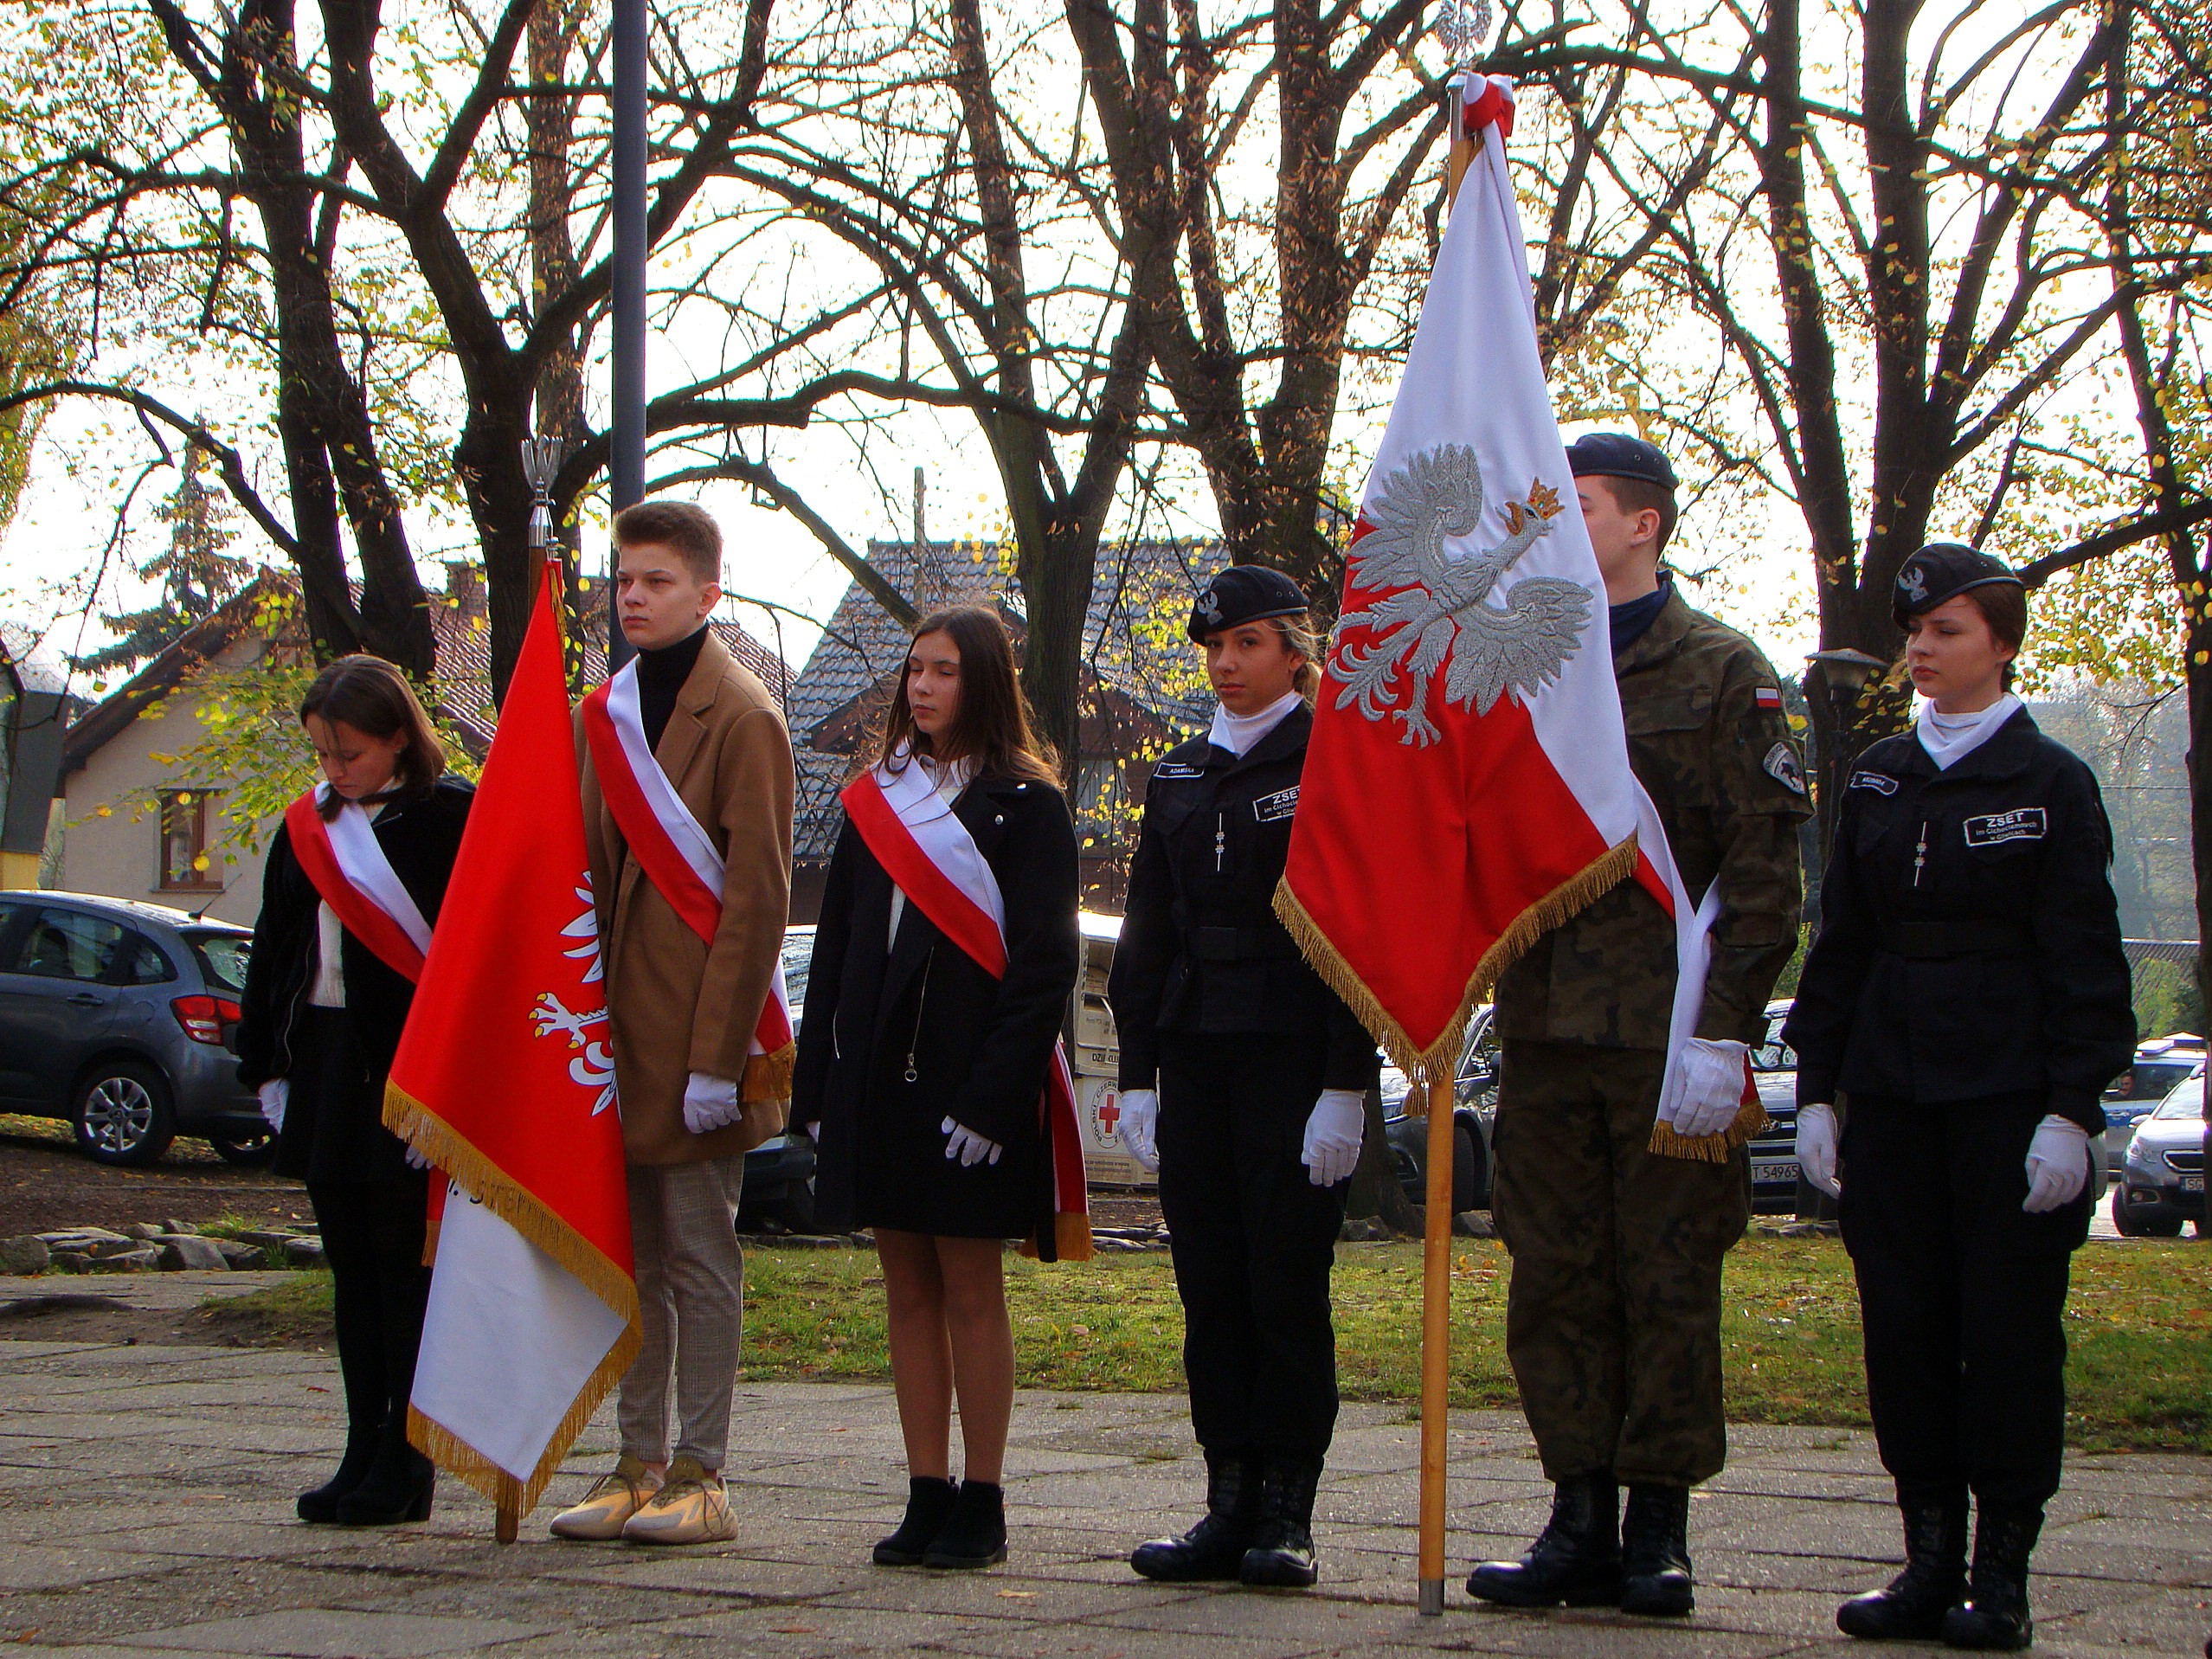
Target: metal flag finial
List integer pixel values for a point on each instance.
(541, 460)
(1463, 26)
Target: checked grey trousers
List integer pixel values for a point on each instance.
(691, 1298)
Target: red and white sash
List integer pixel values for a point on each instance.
(924, 848)
(670, 845)
(343, 858)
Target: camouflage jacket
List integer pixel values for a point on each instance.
(1709, 738)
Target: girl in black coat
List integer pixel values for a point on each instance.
(920, 1075)
(1969, 994)
(322, 1015)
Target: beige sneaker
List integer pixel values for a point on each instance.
(610, 1503)
(694, 1508)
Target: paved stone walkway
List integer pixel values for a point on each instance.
(145, 1507)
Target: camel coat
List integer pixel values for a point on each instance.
(676, 1005)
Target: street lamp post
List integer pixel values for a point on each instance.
(625, 477)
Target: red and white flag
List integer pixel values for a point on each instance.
(679, 858)
(924, 847)
(347, 865)
(1467, 784)
(504, 1078)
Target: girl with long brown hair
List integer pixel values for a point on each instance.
(919, 1070)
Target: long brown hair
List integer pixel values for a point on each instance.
(373, 697)
(993, 727)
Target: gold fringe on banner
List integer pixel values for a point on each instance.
(1667, 1142)
(767, 1076)
(1441, 1057)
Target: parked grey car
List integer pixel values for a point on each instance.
(2161, 1184)
(118, 1017)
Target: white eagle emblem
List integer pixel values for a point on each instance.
(1441, 613)
(592, 1067)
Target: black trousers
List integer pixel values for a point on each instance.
(372, 1238)
(1253, 1240)
(1961, 1295)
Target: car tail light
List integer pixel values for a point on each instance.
(204, 1018)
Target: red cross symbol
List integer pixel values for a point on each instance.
(1110, 1112)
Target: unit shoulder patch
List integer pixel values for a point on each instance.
(1781, 765)
(1993, 829)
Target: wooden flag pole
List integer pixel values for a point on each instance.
(1435, 1255)
(506, 1527)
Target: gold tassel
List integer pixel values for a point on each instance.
(1441, 1057)
(1071, 1236)
(767, 1076)
(1667, 1142)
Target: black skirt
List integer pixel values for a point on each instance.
(334, 1120)
(901, 1179)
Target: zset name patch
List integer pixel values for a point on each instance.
(1991, 829)
(1273, 808)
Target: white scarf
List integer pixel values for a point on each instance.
(1950, 738)
(1238, 733)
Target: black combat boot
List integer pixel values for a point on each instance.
(1995, 1614)
(1282, 1553)
(1215, 1547)
(1575, 1559)
(1911, 1608)
(974, 1532)
(928, 1505)
(1655, 1551)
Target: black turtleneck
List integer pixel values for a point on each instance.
(1631, 621)
(661, 675)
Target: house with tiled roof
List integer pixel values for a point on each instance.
(1142, 688)
(141, 820)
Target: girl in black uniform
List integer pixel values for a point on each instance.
(1260, 1072)
(919, 1074)
(1961, 1012)
(321, 1021)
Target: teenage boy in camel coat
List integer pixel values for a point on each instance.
(683, 1015)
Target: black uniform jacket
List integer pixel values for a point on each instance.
(420, 834)
(1969, 941)
(977, 1047)
(1201, 950)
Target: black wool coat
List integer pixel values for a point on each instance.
(421, 834)
(898, 1036)
(1970, 941)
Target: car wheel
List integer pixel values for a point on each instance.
(2126, 1224)
(795, 1210)
(1466, 1191)
(122, 1115)
(253, 1149)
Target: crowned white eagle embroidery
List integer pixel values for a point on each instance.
(1441, 613)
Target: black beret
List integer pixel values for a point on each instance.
(1620, 454)
(1243, 593)
(1943, 570)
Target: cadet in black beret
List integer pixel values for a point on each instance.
(1243, 1082)
(1243, 592)
(1620, 454)
(1942, 571)
(1968, 994)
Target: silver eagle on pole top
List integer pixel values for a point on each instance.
(1462, 26)
(541, 460)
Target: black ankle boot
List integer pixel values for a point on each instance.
(1995, 1614)
(1215, 1547)
(1911, 1608)
(974, 1532)
(398, 1487)
(1576, 1559)
(1655, 1551)
(929, 1502)
(1282, 1553)
(320, 1504)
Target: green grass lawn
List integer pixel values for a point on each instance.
(2140, 1376)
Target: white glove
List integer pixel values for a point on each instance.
(276, 1094)
(1138, 1126)
(416, 1160)
(1817, 1146)
(2058, 1164)
(711, 1103)
(1705, 1091)
(1335, 1129)
(963, 1143)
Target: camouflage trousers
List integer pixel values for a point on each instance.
(1613, 1317)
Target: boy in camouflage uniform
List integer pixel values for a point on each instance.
(1613, 1319)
